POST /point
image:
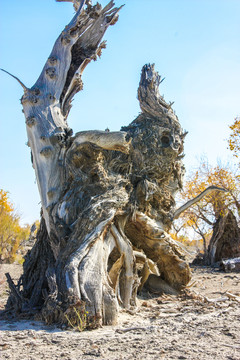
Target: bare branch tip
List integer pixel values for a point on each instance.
(16, 78)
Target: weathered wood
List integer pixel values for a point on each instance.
(47, 104)
(230, 264)
(16, 296)
(107, 197)
(191, 202)
(225, 241)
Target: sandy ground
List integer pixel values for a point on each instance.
(166, 327)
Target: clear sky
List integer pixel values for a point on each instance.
(195, 45)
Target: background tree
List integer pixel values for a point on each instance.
(12, 234)
(203, 215)
(234, 139)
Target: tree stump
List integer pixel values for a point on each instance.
(107, 197)
(225, 241)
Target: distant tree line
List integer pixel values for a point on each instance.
(12, 234)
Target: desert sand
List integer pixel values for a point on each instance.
(202, 323)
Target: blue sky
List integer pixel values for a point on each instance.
(194, 44)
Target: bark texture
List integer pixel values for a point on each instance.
(225, 241)
(107, 197)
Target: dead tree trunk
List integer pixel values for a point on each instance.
(107, 197)
(225, 241)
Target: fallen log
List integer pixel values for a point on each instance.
(230, 264)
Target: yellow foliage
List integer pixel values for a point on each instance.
(217, 202)
(11, 233)
(190, 243)
(202, 215)
(234, 139)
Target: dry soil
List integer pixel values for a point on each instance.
(203, 324)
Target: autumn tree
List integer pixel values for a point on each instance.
(202, 216)
(234, 139)
(12, 234)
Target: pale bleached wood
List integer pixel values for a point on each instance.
(191, 202)
(104, 194)
(45, 106)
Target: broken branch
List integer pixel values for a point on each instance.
(193, 201)
(16, 78)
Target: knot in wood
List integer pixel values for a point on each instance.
(65, 39)
(31, 121)
(52, 60)
(51, 97)
(43, 137)
(46, 151)
(34, 99)
(35, 92)
(51, 193)
(51, 72)
(74, 32)
(30, 98)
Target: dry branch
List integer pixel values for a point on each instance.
(191, 202)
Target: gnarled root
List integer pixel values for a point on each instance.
(90, 275)
(158, 246)
(104, 270)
